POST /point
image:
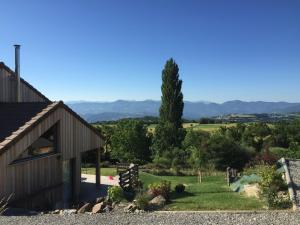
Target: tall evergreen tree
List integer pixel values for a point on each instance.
(169, 132)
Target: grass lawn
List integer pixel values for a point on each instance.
(103, 171)
(212, 194)
(211, 127)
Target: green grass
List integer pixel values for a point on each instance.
(103, 171)
(212, 194)
(211, 127)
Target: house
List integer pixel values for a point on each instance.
(41, 143)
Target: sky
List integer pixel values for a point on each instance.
(104, 50)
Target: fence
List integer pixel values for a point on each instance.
(129, 177)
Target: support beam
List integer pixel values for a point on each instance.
(98, 154)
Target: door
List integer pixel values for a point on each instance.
(68, 181)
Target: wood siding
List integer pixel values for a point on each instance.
(29, 177)
(8, 89)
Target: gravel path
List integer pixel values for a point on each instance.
(162, 218)
(294, 167)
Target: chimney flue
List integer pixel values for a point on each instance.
(17, 72)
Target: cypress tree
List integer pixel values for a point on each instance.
(169, 132)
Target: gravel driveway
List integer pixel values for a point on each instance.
(161, 218)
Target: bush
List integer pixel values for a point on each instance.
(142, 201)
(179, 188)
(163, 188)
(115, 193)
(271, 184)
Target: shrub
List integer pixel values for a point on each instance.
(142, 201)
(115, 193)
(271, 184)
(163, 188)
(179, 188)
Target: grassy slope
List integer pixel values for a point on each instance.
(211, 194)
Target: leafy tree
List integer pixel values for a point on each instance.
(195, 143)
(256, 135)
(224, 151)
(287, 133)
(169, 132)
(107, 131)
(130, 142)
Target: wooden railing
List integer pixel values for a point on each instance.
(130, 177)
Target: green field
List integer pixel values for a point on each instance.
(197, 126)
(211, 194)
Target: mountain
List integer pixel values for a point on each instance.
(101, 111)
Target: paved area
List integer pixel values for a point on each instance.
(163, 218)
(89, 192)
(107, 180)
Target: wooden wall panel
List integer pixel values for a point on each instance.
(8, 89)
(28, 177)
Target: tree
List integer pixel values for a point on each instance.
(195, 143)
(256, 135)
(130, 142)
(169, 132)
(224, 152)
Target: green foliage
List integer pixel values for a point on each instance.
(179, 188)
(195, 143)
(115, 193)
(256, 135)
(270, 185)
(287, 133)
(169, 132)
(163, 188)
(225, 152)
(130, 142)
(142, 201)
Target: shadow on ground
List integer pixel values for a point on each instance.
(89, 191)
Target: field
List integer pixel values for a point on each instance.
(197, 126)
(211, 194)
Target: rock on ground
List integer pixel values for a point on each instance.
(163, 218)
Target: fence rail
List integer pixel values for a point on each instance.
(129, 177)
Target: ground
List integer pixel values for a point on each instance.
(163, 218)
(212, 194)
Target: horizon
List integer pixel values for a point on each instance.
(225, 50)
(196, 101)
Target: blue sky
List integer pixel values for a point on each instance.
(107, 50)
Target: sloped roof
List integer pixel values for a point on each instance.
(29, 119)
(3, 66)
(15, 115)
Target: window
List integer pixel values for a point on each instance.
(44, 145)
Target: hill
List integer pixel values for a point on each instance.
(101, 111)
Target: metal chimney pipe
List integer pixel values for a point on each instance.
(17, 72)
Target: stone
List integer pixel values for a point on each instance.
(130, 208)
(85, 208)
(67, 212)
(56, 211)
(99, 200)
(107, 208)
(158, 202)
(252, 190)
(98, 207)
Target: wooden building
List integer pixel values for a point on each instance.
(41, 143)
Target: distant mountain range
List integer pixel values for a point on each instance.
(103, 111)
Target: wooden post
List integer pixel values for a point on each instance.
(199, 176)
(228, 175)
(98, 153)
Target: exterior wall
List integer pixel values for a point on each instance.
(29, 177)
(8, 89)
